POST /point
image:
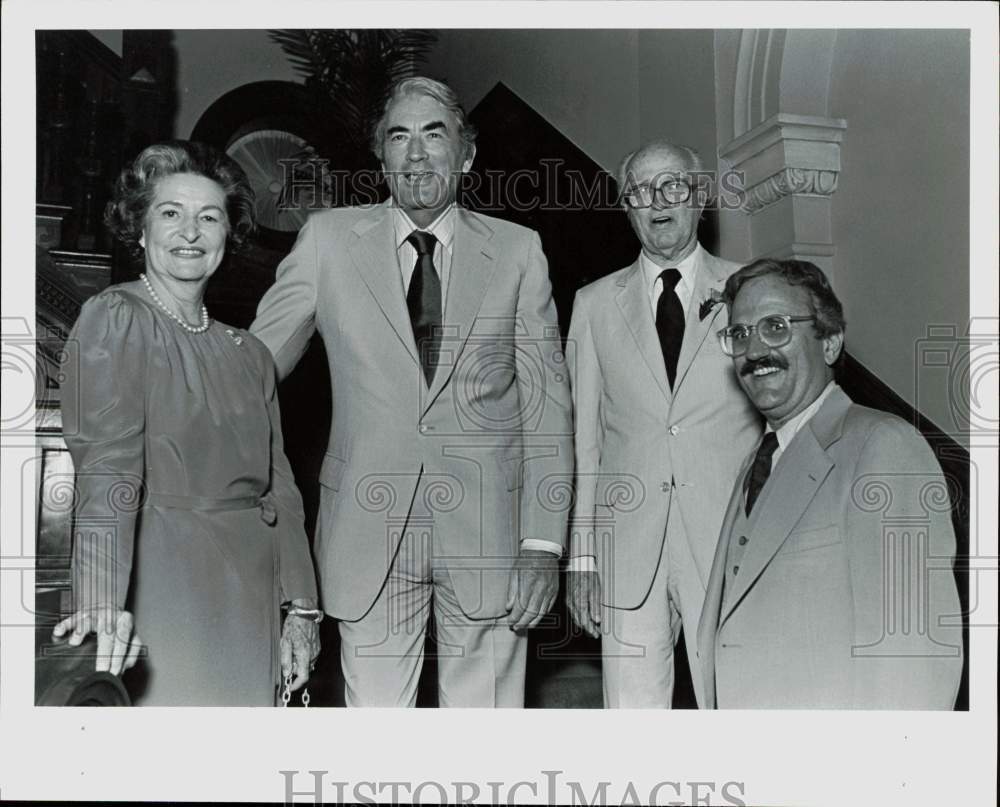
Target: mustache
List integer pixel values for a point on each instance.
(763, 363)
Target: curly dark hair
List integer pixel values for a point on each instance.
(825, 305)
(136, 187)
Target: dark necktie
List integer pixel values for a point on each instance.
(670, 322)
(761, 468)
(423, 299)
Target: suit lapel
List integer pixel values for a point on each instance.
(709, 275)
(373, 253)
(472, 266)
(633, 302)
(790, 490)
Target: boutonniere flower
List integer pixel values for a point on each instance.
(709, 303)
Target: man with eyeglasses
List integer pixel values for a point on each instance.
(661, 428)
(832, 585)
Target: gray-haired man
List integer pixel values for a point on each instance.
(661, 429)
(429, 501)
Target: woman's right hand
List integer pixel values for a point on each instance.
(118, 645)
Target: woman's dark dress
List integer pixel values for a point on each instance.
(175, 438)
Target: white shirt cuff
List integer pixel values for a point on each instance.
(582, 563)
(542, 546)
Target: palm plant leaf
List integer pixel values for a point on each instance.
(348, 74)
(353, 70)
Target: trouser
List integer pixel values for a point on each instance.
(481, 662)
(638, 645)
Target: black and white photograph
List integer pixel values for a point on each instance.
(586, 403)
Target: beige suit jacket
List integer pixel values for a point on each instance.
(491, 437)
(845, 596)
(648, 457)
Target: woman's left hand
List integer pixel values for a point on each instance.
(299, 646)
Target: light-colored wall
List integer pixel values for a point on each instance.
(676, 79)
(900, 213)
(734, 225)
(606, 90)
(211, 63)
(584, 82)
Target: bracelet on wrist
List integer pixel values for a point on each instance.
(312, 614)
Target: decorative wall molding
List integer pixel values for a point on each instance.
(785, 155)
(781, 69)
(789, 168)
(808, 181)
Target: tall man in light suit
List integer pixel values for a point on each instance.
(661, 427)
(832, 585)
(450, 407)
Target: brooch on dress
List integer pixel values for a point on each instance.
(234, 336)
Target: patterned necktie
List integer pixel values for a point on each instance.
(423, 299)
(761, 468)
(670, 322)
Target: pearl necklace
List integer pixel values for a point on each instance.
(205, 322)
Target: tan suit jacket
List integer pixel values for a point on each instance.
(845, 596)
(491, 436)
(635, 436)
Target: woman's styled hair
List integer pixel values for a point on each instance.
(136, 187)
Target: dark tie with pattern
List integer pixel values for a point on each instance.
(670, 322)
(761, 468)
(423, 299)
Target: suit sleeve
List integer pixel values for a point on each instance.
(295, 564)
(541, 375)
(901, 548)
(286, 316)
(103, 407)
(586, 383)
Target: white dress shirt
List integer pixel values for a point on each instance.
(688, 268)
(792, 427)
(443, 228)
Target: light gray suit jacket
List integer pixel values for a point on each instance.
(845, 596)
(492, 435)
(634, 436)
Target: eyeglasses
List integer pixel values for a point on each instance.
(774, 330)
(667, 192)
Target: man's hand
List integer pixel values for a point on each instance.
(534, 583)
(117, 645)
(583, 597)
(299, 645)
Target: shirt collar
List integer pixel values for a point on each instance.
(688, 267)
(443, 227)
(791, 428)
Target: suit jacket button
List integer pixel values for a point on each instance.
(673, 430)
(743, 540)
(736, 569)
(423, 428)
(665, 487)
